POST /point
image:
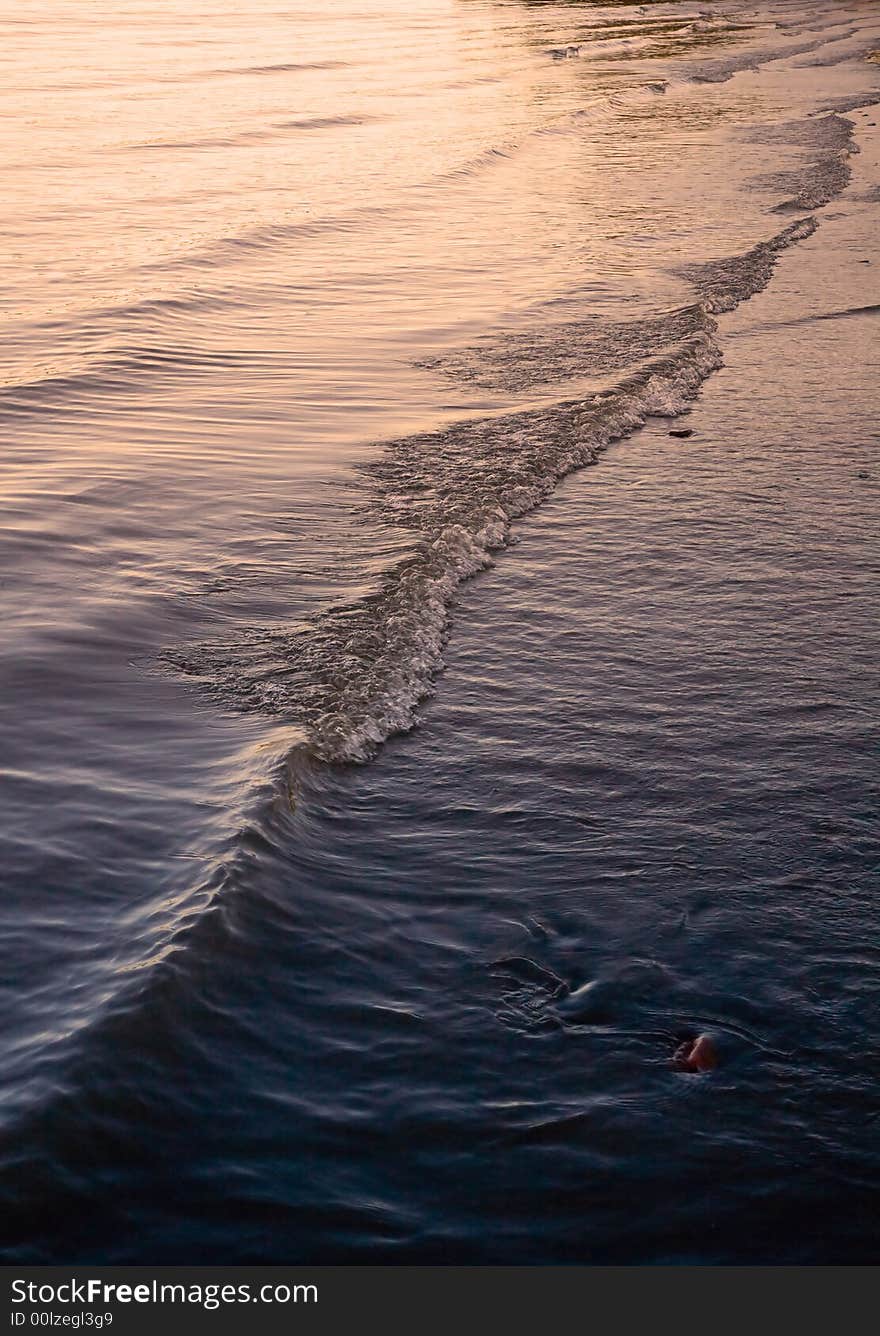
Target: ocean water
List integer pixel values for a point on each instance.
(353, 907)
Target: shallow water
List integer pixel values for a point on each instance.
(303, 318)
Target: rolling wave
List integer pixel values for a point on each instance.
(275, 67)
(324, 122)
(247, 138)
(66, 390)
(356, 675)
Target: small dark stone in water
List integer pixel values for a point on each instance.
(863, 475)
(696, 1055)
(682, 432)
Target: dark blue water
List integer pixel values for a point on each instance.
(651, 768)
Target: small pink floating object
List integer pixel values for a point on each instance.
(696, 1055)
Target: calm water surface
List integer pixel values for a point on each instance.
(352, 910)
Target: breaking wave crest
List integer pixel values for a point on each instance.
(355, 676)
(817, 182)
(723, 284)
